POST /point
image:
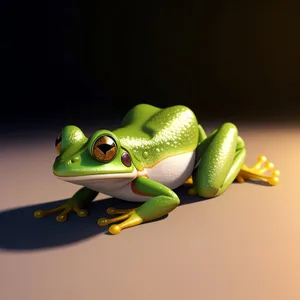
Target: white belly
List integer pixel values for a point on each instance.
(171, 172)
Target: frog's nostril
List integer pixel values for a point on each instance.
(75, 159)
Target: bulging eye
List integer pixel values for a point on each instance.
(105, 148)
(58, 143)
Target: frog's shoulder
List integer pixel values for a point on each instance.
(153, 133)
(151, 119)
(139, 115)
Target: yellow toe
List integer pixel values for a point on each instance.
(61, 218)
(38, 214)
(82, 213)
(273, 180)
(103, 222)
(192, 192)
(114, 229)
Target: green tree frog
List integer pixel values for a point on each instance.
(154, 151)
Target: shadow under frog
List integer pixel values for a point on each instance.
(19, 231)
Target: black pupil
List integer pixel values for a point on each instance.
(57, 141)
(105, 147)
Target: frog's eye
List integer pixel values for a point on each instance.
(104, 148)
(58, 143)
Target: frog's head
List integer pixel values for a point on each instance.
(83, 159)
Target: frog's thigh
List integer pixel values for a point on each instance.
(221, 160)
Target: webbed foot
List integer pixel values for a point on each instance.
(258, 172)
(126, 215)
(65, 210)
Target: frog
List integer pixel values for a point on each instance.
(153, 152)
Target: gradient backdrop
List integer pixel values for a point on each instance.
(227, 60)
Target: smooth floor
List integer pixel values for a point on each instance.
(242, 245)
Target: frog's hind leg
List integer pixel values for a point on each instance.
(219, 159)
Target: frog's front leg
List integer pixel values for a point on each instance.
(163, 202)
(219, 159)
(81, 199)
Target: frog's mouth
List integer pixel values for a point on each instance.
(96, 177)
(101, 182)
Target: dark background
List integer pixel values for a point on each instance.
(77, 61)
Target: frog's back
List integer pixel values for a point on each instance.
(154, 134)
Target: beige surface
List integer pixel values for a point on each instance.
(242, 245)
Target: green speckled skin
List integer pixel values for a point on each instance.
(154, 134)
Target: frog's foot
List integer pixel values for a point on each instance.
(128, 216)
(189, 184)
(258, 172)
(189, 181)
(65, 209)
(192, 191)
